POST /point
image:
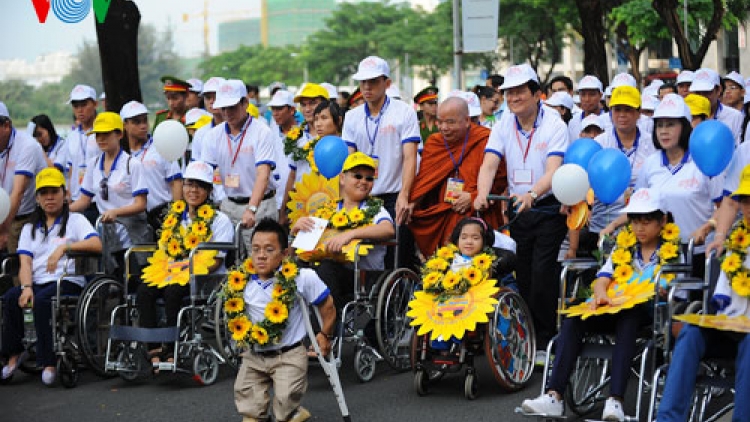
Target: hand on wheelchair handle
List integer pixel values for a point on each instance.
(27, 298)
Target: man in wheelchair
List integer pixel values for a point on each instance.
(52, 232)
(731, 298)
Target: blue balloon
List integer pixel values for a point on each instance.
(580, 152)
(609, 174)
(330, 154)
(711, 146)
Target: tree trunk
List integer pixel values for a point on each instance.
(118, 51)
(594, 50)
(667, 10)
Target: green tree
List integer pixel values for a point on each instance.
(257, 64)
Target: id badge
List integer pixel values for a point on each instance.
(627, 194)
(453, 190)
(377, 164)
(522, 176)
(232, 180)
(81, 173)
(217, 177)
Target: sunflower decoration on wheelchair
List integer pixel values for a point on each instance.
(455, 296)
(269, 330)
(170, 262)
(339, 220)
(630, 288)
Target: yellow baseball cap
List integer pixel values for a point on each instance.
(625, 95)
(698, 105)
(50, 177)
(744, 188)
(358, 159)
(106, 122)
(252, 110)
(311, 91)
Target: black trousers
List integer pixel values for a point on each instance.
(146, 302)
(340, 281)
(538, 237)
(407, 251)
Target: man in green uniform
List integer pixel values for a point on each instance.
(427, 100)
(176, 92)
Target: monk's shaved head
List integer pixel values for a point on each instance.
(453, 119)
(457, 105)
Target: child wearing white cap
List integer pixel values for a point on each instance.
(590, 92)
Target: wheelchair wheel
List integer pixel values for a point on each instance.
(205, 367)
(391, 323)
(67, 371)
(585, 386)
(132, 361)
(365, 363)
(415, 350)
(226, 346)
(421, 382)
(95, 305)
(510, 343)
(28, 364)
(471, 386)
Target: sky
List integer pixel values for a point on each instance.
(25, 38)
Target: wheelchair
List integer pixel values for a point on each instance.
(715, 376)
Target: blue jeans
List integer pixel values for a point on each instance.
(693, 344)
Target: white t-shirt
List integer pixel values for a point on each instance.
(25, 157)
(58, 154)
(300, 167)
(199, 141)
(374, 260)
(725, 299)
(157, 173)
(740, 159)
(548, 138)
(688, 193)
(81, 148)
(222, 230)
(382, 138)
(281, 173)
(258, 293)
(733, 119)
(236, 157)
(41, 247)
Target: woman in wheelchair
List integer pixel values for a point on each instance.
(637, 255)
(731, 298)
(53, 232)
(187, 224)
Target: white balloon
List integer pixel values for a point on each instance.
(570, 184)
(4, 205)
(171, 139)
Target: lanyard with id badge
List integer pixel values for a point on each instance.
(374, 136)
(455, 185)
(632, 156)
(232, 179)
(524, 176)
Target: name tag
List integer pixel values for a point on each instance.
(81, 173)
(453, 190)
(232, 180)
(523, 176)
(217, 177)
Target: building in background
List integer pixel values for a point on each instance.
(233, 34)
(49, 68)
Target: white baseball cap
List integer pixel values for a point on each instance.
(472, 100)
(103, 96)
(590, 82)
(194, 114)
(649, 102)
(393, 92)
(372, 67)
(199, 170)
(623, 79)
(281, 98)
(231, 92)
(82, 92)
(705, 80)
(518, 75)
(650, 91)
(4, 110)
(276, 85)
(673, 106)
(333, 92)
(608, 91)
(747, 91)
(736, 78)
(577, 99)
(656, 83)
(685, 77)
(196, 85)
(132, 109)
(560, 98)
(213, 84)
(644, 201)
(592, 119)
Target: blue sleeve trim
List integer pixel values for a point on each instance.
(556, 154)
(351, 144)
(60, 167)
(603, 274)
(87, 193)
(293, 167)
(140, 192)
(24, 173)
(384, 219)
(494, 152)
(323, 296)
(718, 199)
(719, 301)
(177, 176)
(25, 252)
(90, 235)
(269, 162)
(413, 139)
(726, 193)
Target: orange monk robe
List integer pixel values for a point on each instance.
(433, 219)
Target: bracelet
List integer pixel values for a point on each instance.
(722, 234)
(67, 247)
(329, 337)
(712, 222)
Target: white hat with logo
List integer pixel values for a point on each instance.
(644, 201)
(705, 80)
(518, 75)
(196, 85)
(281, 98)
(82, 92)
(592, 120)
(199, 170)
(736, 78)
(560, 98)
(649, 102)
(472, 100)
(590, 82)
(370, 68)
(673, 106)
(333, 92)
(213, 84)
(685, 77)
(623, 79)
(231, 92)
(132, 109)
(194, 114)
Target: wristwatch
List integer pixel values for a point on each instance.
(533, 194)
(252, 208)
(23, 286)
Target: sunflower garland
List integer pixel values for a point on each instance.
(349, 219)
(622, 256)
(283, 295)
(733, 264)
(440, 280)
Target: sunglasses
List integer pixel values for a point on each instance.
(360, 176)
(104, 189)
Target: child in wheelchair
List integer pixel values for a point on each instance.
(640, 250)
(732, 298)
(53, 232)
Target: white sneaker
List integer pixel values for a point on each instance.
(613, 411)
(540, 358)
(546, 404)
(48, 377)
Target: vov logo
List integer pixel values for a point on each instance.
(71, 11)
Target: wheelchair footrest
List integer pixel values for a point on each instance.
(541, 416)
(145, 335)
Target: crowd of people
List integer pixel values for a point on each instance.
(429, 165)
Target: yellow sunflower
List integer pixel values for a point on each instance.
(248, 266)
(236, 281)
(239, 327)
(205, 212)
(183, 230)
(474, 275)
(339, 220)
(191, 241)
(165, 235)
(731, 263)
(670, 232)
(356, 215)
(276, 312)
(289, 270)
(445, 253)
(294, 133)
(668, 251)
(170, 221)
(200, 228)
(173, 248)
(450, 280)
(626, 239)
(621, 256)
(482, 261)
(260, 335)
(277, 291)
(431, 279)
(623, 273)
(438, 264)
(324, 213)
(178, 206)
(740, 239)
(741, 284)
(234, 305)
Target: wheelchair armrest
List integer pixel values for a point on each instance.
(83, 255)
(144, 247)
(215, 246)
(580, 263)
(689, 283)
(10, 264)
(677, 269)
(387, 242)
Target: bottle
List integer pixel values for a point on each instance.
(29, 330)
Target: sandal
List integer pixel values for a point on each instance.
(155, 356)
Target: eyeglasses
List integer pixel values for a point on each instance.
(104, 189)
(360, 176)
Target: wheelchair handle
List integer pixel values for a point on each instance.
(493, 197)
